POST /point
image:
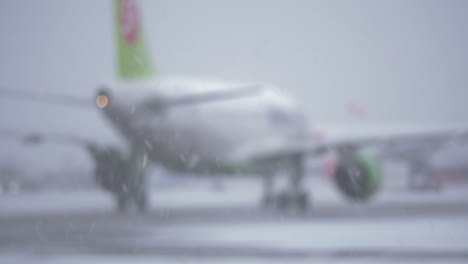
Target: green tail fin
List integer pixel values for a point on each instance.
(133, 60)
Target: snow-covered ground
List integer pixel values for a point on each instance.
(387, 238)
(182, 260)
(205, 192)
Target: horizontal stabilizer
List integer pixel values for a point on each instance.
(234, 93)
(39, 96)
(158, 103)
(33, 138)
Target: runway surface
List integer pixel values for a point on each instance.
(197, 224)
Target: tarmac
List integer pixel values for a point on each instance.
(193, 222)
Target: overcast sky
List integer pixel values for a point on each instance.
(401, 61)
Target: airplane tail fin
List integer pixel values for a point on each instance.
(134, 61)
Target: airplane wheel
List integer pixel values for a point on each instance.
(283, 201)
(299, 201)
(434, 184)
(268, 201)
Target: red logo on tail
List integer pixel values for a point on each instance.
(129, 23)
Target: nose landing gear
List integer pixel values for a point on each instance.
(295, 197)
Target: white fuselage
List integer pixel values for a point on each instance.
(209, 134)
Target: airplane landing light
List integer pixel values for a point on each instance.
(102, 101)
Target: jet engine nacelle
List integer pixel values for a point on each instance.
(357, 177)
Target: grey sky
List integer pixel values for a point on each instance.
(400, 60)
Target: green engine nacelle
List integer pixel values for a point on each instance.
(358, 178)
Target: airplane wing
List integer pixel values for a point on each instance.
(35, 138)
(16, 135)
(91, 146)
(310, 146)
(389, 146)
(394, 144)
(233, 93)
(44, 97)
(150, 103)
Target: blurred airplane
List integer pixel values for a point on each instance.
(434, 165)
(212, 127)
(431, 163)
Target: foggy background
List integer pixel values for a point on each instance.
(403, 62)
(359, 67)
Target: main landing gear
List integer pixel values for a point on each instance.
(292, 198)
